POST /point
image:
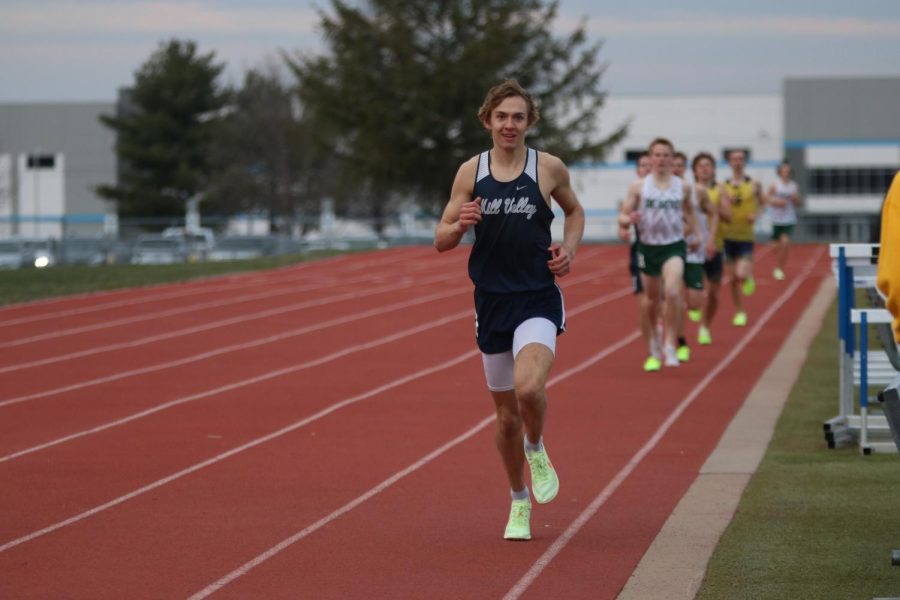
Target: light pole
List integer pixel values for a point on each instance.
(35, 159)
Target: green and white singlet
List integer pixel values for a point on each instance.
(784, 215)
(662, 217)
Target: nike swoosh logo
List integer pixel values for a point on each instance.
(521, 187)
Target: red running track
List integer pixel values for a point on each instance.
(324, 431)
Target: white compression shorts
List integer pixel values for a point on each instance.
(499, 368)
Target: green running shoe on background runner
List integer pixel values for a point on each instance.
(749, 286)
(704, 338)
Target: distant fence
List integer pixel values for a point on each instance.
(600, 227)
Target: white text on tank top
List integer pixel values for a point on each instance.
(662, 217)
(784, 215)
(698, 256)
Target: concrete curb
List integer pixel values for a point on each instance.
(675, 564)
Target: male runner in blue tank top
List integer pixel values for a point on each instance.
(505, 193)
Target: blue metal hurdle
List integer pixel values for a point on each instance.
(855, 266)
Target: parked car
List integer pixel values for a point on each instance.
(159, 250)
(11, 254)
(200, 242)
(86, 251)
(242, 247)
(24, 252)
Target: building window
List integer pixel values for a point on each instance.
(860, 182)
(41, 161)
(727, 151)
(632, 156)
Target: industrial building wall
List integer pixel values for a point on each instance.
(843, 135)
(73, 131)
(842, 109)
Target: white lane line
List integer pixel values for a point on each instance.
(284, 544)
(194, 286)
(227, 349)
(229, 282)
(228, 301)
(263, 314)
(328, 410)
(588, 513)
(237, 385)
(234, 451)
(222, 350)
(274, 374)
(403, 279)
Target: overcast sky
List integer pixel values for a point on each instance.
(54, 50)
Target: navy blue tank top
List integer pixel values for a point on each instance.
(510, 253)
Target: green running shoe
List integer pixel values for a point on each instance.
(749, 286)
(695, 315)
(544, 482)
(740, 319)
(519, 525)
(652, 364)
(703, 336)
(683, 353)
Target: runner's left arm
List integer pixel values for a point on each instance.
(573, 225)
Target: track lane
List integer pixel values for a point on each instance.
(481, 455)
(454, 538)
(138, 439)
(426, 438)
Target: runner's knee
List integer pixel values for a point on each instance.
(509, 423)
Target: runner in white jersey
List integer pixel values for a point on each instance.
(659, 206)
(784, 196)
(707, 220)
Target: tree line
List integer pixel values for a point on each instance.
(382, 116)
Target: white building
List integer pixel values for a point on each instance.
(694, 123)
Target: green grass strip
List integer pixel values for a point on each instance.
(812, 523)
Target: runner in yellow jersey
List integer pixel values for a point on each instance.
(704, 168)
(747, 200)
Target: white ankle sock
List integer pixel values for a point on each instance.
(520, 495)
(534, 447)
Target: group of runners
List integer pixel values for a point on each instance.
(505, 195)
(685, 236)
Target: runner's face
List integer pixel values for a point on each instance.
(509, 122)
(678, 166)
(704, 171)
(661, 158)
(737, 160)
(644, 166)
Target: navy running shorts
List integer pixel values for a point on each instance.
(498, 315)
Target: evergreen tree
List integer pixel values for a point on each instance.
(399, 89)
(163, 132)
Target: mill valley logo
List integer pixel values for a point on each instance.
(514, 206)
